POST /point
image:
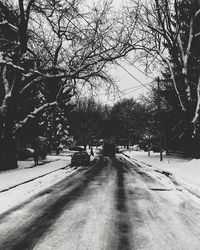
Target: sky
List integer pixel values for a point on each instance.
(131, 86)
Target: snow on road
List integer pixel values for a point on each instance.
(112, 204)
(161, 218)
(89, 222)
(76, 213)
(185, 172)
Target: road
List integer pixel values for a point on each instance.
(113, 204)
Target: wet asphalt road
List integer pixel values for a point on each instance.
(112, 204)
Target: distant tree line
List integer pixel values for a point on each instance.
(125, 122)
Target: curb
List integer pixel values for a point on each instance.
(181, 183)
(133, 159)
(32, 179)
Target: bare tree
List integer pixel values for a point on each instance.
(129, 118)
(86, 121)
(164, 41)
(53, 41)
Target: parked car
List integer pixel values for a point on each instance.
(76, 148)
(117, 150)
(136, 147)
(80, 158)
(109, 149)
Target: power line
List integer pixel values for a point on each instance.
(110, 45)
(123, 94)
(125, 57)
(118, 51)
(116, 98)
(139, 69)
(119, 97)
(123, 90)
(133, 77)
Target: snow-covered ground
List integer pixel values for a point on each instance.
(107, 206)
(19, 185)
(186, 172)
(27, 172)
(12, 192)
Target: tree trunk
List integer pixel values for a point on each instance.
(8, 152)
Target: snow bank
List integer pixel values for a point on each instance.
(154, 158)
(52, 172)
(185, 172)
(22, 193)
(12, 178)
(29, 163)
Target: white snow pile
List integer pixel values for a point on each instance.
(184, 172)
(19, 185)
(27, 172)
(29, 163)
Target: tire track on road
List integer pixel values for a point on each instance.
(26, 236)
(123, 220)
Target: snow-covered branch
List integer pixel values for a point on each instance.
(10, 63)
(165, 59)
(33, 114)
(196, 115)
(13, 27)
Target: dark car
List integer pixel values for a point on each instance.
(80, 158)
(76, 148)
(109, 149)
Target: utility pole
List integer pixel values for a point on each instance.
(129, 140)
(160, 121)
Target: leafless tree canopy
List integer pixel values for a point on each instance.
(59, 40)
(59, 43)
(164, 42)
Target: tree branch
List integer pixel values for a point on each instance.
(33, 114)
